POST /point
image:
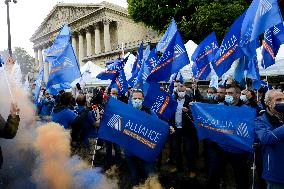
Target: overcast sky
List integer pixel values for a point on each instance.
(26, 16)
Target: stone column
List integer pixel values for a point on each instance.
(97, 39)
(74, 44)
(40, 59)
(89, 42)
(81, 49)
(36, 58)
(106, 35)
(45, 69)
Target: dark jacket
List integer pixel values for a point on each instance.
(270, 131)
(187, 120)
(8, 130)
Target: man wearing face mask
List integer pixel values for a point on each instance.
(134, 162)
(222, 154)
(249, 98)
(185, 134)
(211, 95)
(270, 131)
(221, 92)
(109, 145)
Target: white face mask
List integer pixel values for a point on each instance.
(181, 94)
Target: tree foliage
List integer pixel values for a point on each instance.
(195, 18)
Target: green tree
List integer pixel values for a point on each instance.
(195, 18)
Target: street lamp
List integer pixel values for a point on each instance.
(8, 23)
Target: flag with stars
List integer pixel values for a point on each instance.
(273, 38)
(120, 83)
(160, 102)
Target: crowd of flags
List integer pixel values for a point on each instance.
(164, 62)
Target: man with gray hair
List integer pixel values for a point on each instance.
(270, 131)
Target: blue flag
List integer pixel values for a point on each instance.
(205, 52)
(167, 37)
(229, 50)
(225, 125)
(141, 134)
(260, 16)
(38, 83)
(120, 83)
(1, 61)
(203, 55)
(146, 53)
(60, 43)
(152, 59)
(201, 74)
(253, 70)
(64, 70)
(239, 74)
(140, 82)
(139, 60)
(273, 38)
(173, 59)
(111, 72)
(161, 102)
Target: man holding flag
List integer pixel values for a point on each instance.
(136, 129)
(185, 136)
(232, 135)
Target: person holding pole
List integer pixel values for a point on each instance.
(9, 128)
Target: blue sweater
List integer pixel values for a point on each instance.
(64, 116)
(270, 132)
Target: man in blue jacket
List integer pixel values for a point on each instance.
(270, 131)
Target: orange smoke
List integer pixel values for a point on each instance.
(151, 183)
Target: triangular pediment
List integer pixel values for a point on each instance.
(64, 13)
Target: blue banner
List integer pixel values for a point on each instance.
(225, 125)
(229, 50)
(260, 16)
(201, 74)
(173, 59)
(273, 38)
(138, 132)
(161, 102)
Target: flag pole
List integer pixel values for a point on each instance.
(9, 86)
(122, 49)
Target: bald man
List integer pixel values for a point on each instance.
(270, 131)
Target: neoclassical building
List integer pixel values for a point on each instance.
(99, 31)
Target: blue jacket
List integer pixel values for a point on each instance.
(47, 105)
(270, 132)
(64, 116)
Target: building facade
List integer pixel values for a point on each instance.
(99, 32)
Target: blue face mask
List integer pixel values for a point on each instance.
(229, 99)
(211, 96)
(137, 103)
(244, 98)
(114, 96)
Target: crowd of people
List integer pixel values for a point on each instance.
(81, 112)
